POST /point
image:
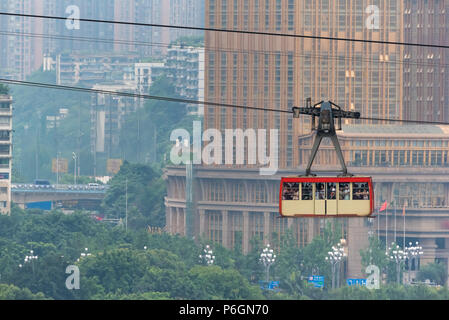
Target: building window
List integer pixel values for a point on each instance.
(4, 149)
(238, 192)
(214, 222)
(256, 225)
(301, 232)
(4, 163)
(212, 13)
(236, 227)
(4, 135)
(236, 10)
(224, 13)
(279, 227)
(267, 14)
(216, 191)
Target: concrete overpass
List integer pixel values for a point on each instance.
(23, 194)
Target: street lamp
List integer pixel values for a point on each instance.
(74, 170)
(84, 254)
(207, 257)
(412, 252)
(398, 256)
(267, 257)
(335, 257)
(29, 259)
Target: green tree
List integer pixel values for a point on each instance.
(11, 292)
(33, 137)
(4, 89)
(214, 282)
(435, 272)
(145, 195)
(115, 269)
(375, 255)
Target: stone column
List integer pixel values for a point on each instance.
(225, 228)
(202, 214)
(266, 227)
(428, 247)
(168, 219)
(245, 232)
(357, 240)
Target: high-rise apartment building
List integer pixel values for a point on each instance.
(141, 11)
(188, 13)
(22, 55)
(88, 9)
(185, 68)
(426, 70)
(5, 152)
(281, 72)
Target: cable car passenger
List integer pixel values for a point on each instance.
(290, 191)
(360, 191)
(331, 191)
(320, 192)
(366, 195)
(307, 191)
(344, 191)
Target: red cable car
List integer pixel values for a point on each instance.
(312, 196)
(326, 196)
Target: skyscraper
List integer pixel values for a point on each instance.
(23, 55)
(281, 72)
(426, 70)
(5, 152)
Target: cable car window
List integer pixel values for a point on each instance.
(344, 191)
(320, 192)
(307, 191)
(360, 191)
(331, 191)
(290, 191)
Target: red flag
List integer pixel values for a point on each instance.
(403, 210)
(98, 218)
(384, 206)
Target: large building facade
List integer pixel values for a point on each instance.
(408, 164)
(426, 70)
(282, 72)
(409, 168)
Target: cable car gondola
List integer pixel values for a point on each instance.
(339, 196)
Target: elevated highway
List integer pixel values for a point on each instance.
(25, 194)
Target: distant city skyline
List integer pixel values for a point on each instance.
(22, 55)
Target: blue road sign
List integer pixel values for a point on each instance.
(317, 281)
(356, 282)
(272, 285)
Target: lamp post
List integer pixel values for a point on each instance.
(335, 257)
(412, 252)
(268, 258)
(84, 254)
(398, 256)
(207, 257)
(74, 170)
(58, 154)
(29, 259)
